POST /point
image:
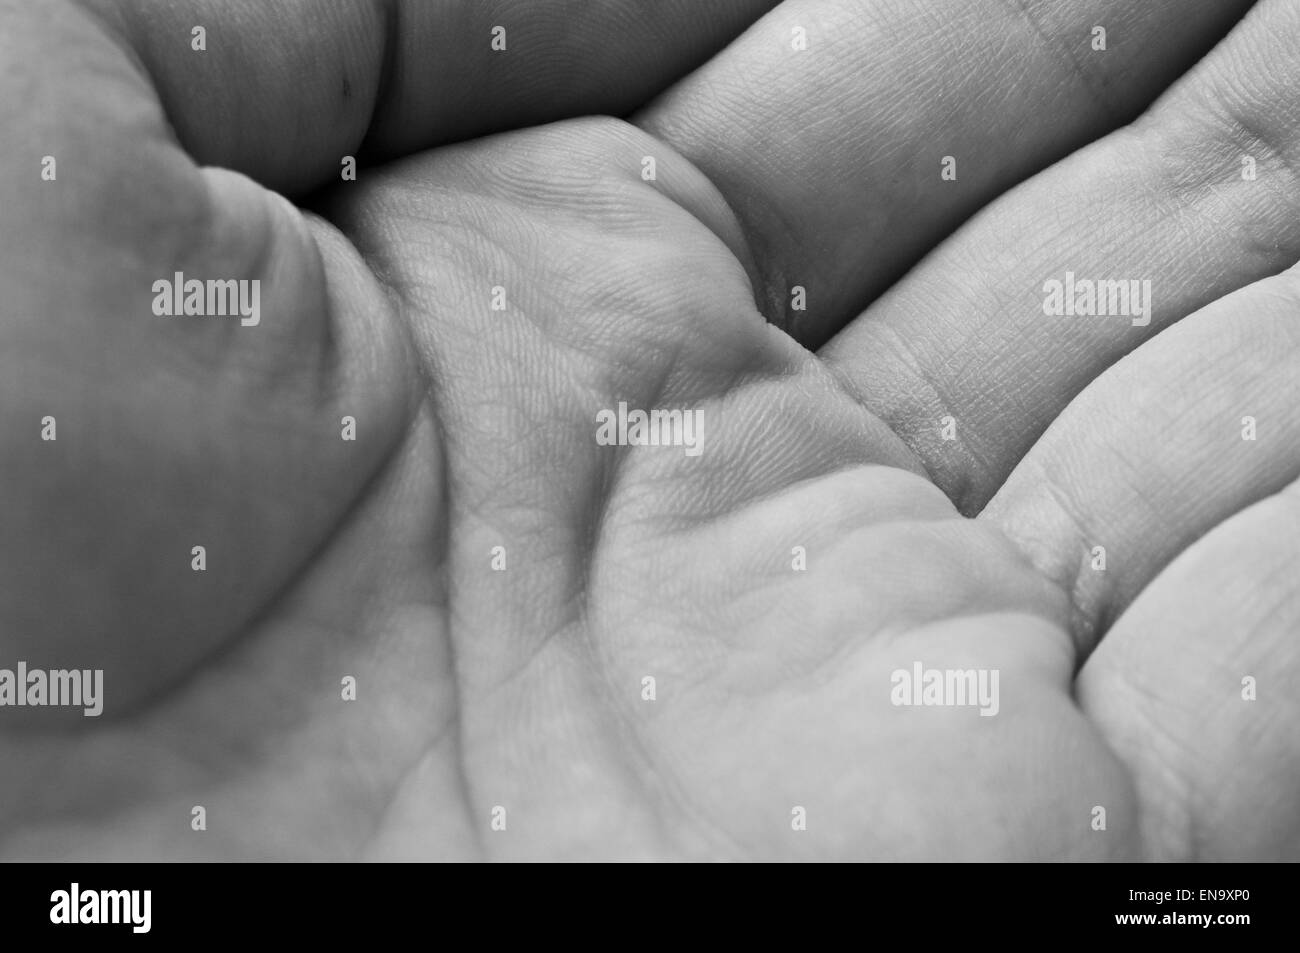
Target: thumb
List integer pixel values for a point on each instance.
(194, 463)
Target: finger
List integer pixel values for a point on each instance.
(1159, 450)
(174, 469)
(966, 335)
(283, 91)
(1196, 693)
(833, 155)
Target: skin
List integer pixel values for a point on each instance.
(475, 429)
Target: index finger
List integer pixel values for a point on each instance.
(282, 91)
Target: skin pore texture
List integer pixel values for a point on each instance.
(522, 688)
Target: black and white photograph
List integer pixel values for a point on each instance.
(649, 431)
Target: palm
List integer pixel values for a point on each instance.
(521, 686)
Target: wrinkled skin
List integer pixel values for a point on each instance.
(823, 429)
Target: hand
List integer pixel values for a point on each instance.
(500, 585)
